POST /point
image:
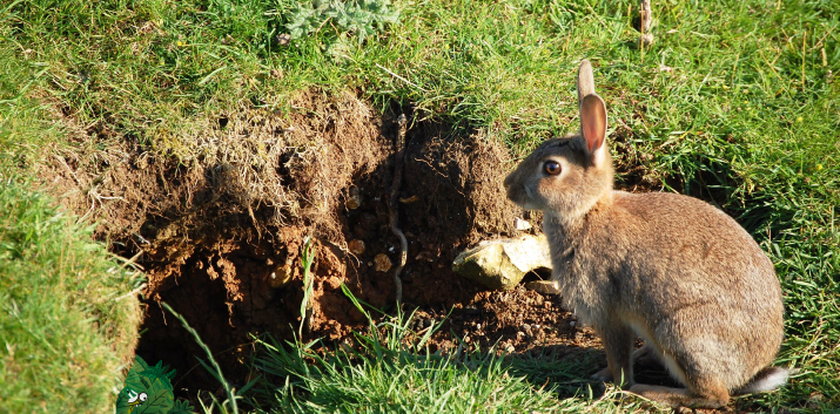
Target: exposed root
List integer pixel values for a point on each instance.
(399, 158)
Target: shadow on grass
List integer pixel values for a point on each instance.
(569, 370)
(566, 368)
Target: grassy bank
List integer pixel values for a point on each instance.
(68, 324)
(735, 102)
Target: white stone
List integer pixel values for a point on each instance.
(502, 263)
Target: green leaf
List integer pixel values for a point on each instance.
(148, 389)
(182, 407)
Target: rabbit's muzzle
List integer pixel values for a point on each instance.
(517, 191)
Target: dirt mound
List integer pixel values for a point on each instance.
(220, 232)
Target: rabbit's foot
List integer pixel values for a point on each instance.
(682, 397)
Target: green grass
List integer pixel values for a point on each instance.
(736, 103)
(68, 325)
(389, 369)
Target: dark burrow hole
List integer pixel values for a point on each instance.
(542, 273)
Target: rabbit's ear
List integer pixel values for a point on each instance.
(585, 82)
(593, 126)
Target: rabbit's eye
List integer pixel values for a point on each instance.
(551, 167)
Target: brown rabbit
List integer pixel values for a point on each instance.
(671, 269)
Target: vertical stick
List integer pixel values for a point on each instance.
(645, 18)
(804, 38)
(307, 258)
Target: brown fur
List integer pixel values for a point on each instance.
(671, 269)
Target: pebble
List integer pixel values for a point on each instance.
(521, 224)
(356, 246)
(381, 263)
(354, 199)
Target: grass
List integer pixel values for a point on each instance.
(736, 103)
(389, 368)
(68, 325)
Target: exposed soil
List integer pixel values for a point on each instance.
(220, 234)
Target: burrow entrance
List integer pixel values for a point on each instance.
(220, 235)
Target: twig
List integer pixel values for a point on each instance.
(804, 38)
(307, 258)
(645, 18)
(399, 159)
(410, 83)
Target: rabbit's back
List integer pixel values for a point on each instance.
(671, 234)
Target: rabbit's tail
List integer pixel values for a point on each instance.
(768, 379)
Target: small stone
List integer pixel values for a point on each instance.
(381, 262)
(283, 39)
(521, 224)
(354, 199)
(546, 287)
(356, 246)
(502, 263)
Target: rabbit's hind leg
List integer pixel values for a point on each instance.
(704, 388)
(710, 395)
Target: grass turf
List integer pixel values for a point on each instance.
(68, 325)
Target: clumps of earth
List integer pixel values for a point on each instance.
(219, 230)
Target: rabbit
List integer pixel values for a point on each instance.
(671, 269)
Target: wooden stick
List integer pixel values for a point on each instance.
(645, 17)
